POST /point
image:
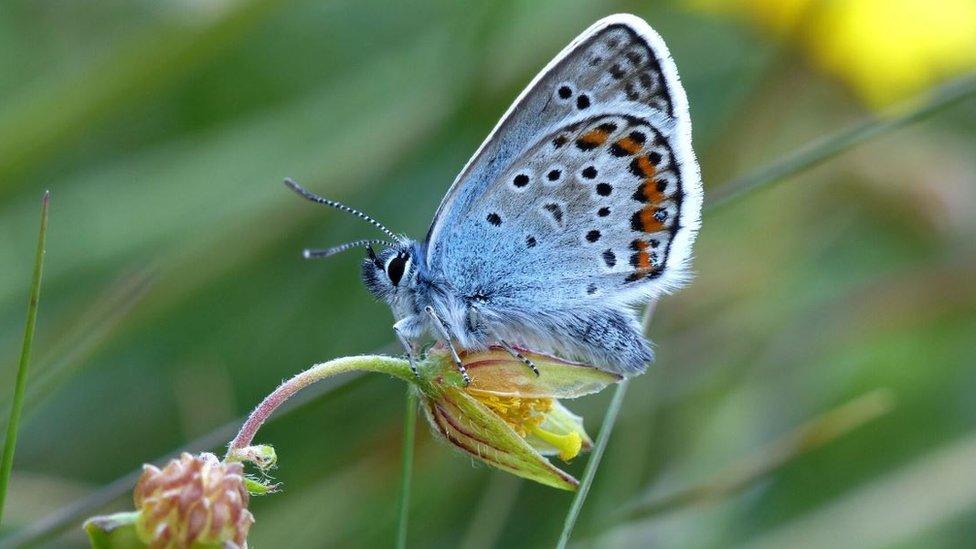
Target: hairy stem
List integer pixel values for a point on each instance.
(395, 367)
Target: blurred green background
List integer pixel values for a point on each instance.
(175, 297)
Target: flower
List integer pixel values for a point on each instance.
(507, 416)
(886, 50)
(193, 500)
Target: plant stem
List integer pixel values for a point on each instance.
(829, 146)
(600, 445)
(396, 367)
(594, 462)
(813, 434)
(409, 435)
(10, 443)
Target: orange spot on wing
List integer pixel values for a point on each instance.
(595, 137)
(649, 223)
(645, 166)
(643, 260)
(630, 146)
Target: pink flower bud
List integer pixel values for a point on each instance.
(193, 500)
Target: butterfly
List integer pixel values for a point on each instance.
(581, 204)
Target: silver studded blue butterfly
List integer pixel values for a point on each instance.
(583, 202)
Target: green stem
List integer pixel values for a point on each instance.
(7, 462)
(593, 463)
(396, 367)
(600, 445)
(810, 436)
(409, 434)
(829, 146)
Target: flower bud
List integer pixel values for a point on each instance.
(507, 416)
(193, 501)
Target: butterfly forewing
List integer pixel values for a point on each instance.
(587, 189)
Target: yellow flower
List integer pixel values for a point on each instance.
(507, 416)
(886, 50)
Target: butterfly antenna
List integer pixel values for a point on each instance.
(308, 195)
(328, 252)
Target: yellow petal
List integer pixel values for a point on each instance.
(568, 445)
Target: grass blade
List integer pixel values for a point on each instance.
(593, 463)
(596, 455)
(829, 146)
(805, 438)
(409, 435)
(10, 443)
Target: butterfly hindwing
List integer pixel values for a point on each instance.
(588, 188)
(598, 201)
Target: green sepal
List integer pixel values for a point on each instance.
(116, 531)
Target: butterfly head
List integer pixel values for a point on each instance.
(391, 272)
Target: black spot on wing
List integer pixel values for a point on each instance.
(556, 211)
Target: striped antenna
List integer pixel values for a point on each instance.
(339, 206)
(327, 252)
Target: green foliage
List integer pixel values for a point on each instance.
(175, 297)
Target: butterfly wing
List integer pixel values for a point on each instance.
(587, 193)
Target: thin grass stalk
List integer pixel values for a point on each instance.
(10, 442)
(406, 467)
(829, 146)
(809, 436)
(593, 463)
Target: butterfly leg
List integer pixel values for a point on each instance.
(407, 346)
(514, 352)
(474, 322)
(444, 333)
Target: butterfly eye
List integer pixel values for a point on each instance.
(396, 266)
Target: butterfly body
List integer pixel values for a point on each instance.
(481, 311)
(582, 203)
